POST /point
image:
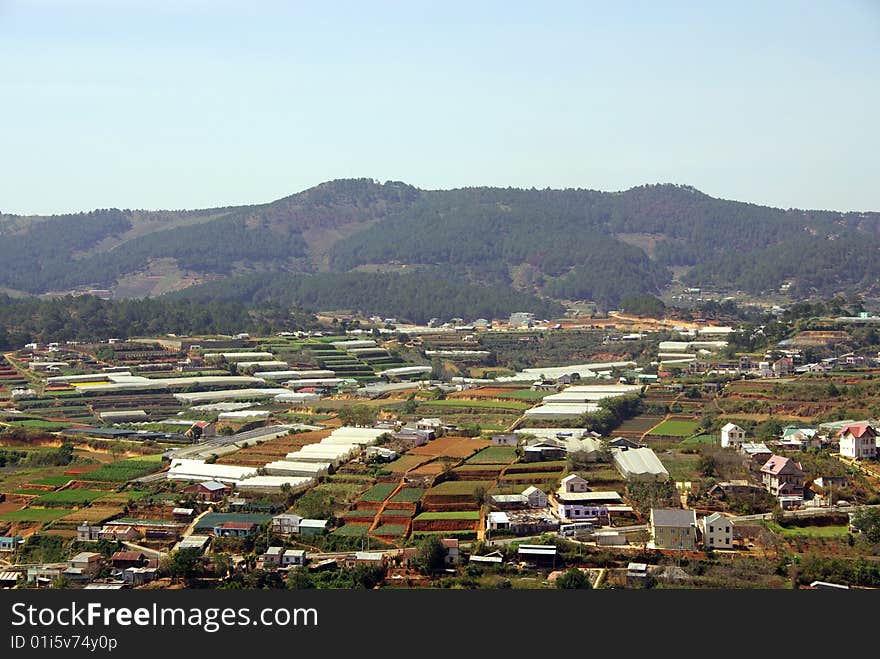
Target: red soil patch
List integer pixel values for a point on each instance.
(454, 447)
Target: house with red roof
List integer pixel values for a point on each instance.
(858, 441)
(783, 476)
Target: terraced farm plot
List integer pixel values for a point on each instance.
(451, 446)
(64, 498)
(406, 462)
(54, 481)
(97, 514)
(637, 425)
(681, 466)
(515, 406)
(407, 495)
(126, 470)
(471, 515)
(379, 492)
(534, 477)
(494, 455)
(700, 439)
(274, 449)
(35, 514)
(549, 465)
(395, 530)
(458, 520)
(389, 512)
(351, 530)
(676, 428)
(360, 516)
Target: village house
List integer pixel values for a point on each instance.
(10, 542)
(138, 576)
(717, 531)
(756, 452)
(783, 366)
(281, 557)
(505, 439)
(536, 497)
(672, 528)
(121, 533)
(732, 435)
(783, 476)
(286, 523)
(86, 564)
(234, 529)
(208, 491)
(451, 557)
(85, 532)
(573, 483)
(313, 526)
(543, 451)
(121, 560)
(858, 441)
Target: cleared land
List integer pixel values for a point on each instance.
(450, 446)
(676, 428)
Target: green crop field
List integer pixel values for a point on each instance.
(676, 428)
(395, 513)
(390, 529)
(524, 394)
(379, 492)
(480, 404)
(351, 530)
(68, 498)
(53, 480)
(125, 470)
(35, 514)
(457, 514)
(494, 455)
(699, 439)
(457, 488)
(408, 495)
(810, 531)
(39, 423)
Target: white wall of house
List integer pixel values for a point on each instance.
(718, 533)
(732, 436)
(858, 447)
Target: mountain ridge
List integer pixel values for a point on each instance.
(567, 243)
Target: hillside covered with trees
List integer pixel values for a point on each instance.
(571, 244)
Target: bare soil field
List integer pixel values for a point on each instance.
(450, 446)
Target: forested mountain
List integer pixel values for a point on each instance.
(417, 297)
(569, 244)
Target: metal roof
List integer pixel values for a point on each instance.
(674, 517)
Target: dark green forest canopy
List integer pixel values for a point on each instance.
(571, 244)
(417, 297)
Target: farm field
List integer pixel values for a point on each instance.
(35, 514)
(476, 404)
(405, 462)
(810, 531)
(458, 514)
(676, 428)
(63, 498)
(457, 488)
(407, 495)
(450, 446)
(700, 439)
(126, 470)
(351, 530)
(637, 425)
(95, 514)
(272, 450)
(681, 466)
(379, 492)
(494, 455)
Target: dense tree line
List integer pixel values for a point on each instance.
(418, 296)
(88, 318)
(571, 244)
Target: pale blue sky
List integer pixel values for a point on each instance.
(196, 103)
